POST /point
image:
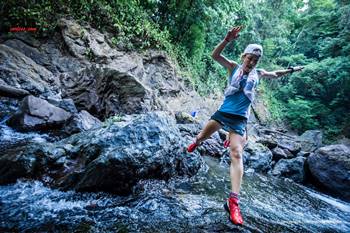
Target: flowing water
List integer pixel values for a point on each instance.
(193, 205)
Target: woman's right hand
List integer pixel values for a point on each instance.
(233, 33)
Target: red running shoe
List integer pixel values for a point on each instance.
(226, 143)
(192, 147)
(231, 206)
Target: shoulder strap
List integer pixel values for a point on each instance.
(232, 73)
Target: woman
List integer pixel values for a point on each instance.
(234, 112)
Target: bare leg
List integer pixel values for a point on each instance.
(236, 153)
(210, 128)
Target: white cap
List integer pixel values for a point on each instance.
(254, 49)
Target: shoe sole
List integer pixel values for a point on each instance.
(229, 217)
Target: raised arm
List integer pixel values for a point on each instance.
(279, 73)
(217, 56)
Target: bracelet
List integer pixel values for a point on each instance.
(291, 68)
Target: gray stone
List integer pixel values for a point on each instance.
(38, 114)
(290, 168)
(20, 71)
(330, 166)
(279, 153)
(184, 118)
(105, 92)
(81, 121)
(257, 156)
(310, 140)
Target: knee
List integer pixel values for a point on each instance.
(236, 153)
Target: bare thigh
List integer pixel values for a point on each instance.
(237, 140)
(211, 127)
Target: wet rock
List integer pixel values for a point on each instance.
(115, 158)
(257, 157)
(81, 121)
(19, 162)
(330, 166)
(290, 168)
(38, 114)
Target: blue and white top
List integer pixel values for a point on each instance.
(240, 92)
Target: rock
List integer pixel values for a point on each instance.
(310, 140)
(49, 54)
(38, 114)
(66, 104)
(86, 42)
(303, 154)
(81, 122)
(267, 141)
(211, 147)
(222, 134)
(18, 162)
(184, 118)
(104, 92)
(330, 166)
(260, 112)
(257, 157)
(279, 153)
(160, 74)
(115, 158)
(290, 168)
(8, 91)
(32, 52)
(289, 144)
(73, 36)
(19, 71)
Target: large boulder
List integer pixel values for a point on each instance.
(290, 168)
(112, 159)
(38, 114)
(330, 166)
